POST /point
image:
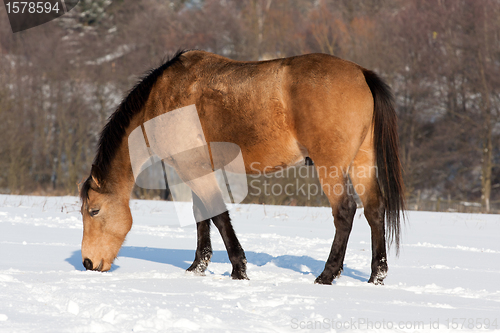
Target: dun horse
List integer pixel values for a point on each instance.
(279, 112)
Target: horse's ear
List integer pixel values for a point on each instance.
(95, 173)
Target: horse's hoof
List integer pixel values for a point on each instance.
(376, 281)
(197, 269)
(239, 276)
(323, 280)
(378, 277)
(195, 273)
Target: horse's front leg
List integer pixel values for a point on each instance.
(233, 247)
(210, 204)
(203, 249)
(203, 246)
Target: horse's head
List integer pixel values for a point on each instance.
(106, 222)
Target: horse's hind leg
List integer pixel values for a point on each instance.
(364, 177)
(233, 247)
(204, 246)
(343, 209)
(374, 212)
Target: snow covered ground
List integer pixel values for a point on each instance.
(446, 277)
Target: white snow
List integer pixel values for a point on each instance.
(446, 277)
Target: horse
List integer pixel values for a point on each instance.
(280, 113)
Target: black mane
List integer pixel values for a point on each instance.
(113, 132)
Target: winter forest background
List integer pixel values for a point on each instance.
(60, 81)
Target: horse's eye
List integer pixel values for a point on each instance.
(94, 212)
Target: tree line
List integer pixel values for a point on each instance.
(60, 81)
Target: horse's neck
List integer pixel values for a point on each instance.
(121, 167)
(122, 164)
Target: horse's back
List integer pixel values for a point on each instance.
(277, 110)
(245, 103)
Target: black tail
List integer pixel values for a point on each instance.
(386, 142)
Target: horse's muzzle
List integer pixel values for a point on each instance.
(87, 263)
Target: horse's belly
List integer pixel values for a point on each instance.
(270, 157)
